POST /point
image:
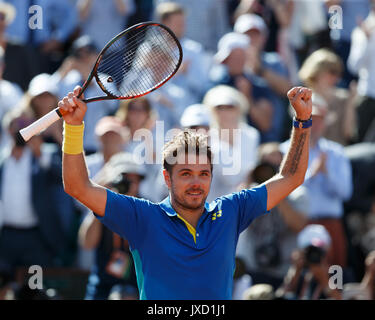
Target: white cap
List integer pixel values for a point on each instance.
(229, 42)
(195, 115)
(40, 84)
(314, 234)
(249, 21)
(225, 95)
(120, 163)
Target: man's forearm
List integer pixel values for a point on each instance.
(295, 162)
(75, 175)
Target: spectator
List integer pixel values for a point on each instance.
(10, 96)
(228, 106)
(277, 15)
(16, 57)
(231, 71)
(94, 13)
(32, 231)
(41, 98)
(361, 62)
(122, 174)
(353, 12)
(113, 138)
(139, 117)
(266, 245)
(211, 14)
(307, 277)
(329, 183)
(55, 22)
(193, 73)
(309, 28)
(321, 72)
(74, 71)
(267, 68)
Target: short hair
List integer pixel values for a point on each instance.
(185, 142)
(319, 61)
(166, 9)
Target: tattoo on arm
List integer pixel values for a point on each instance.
(295, 153)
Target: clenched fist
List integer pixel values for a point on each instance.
(300, 99)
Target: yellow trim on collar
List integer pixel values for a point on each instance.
(190, 227)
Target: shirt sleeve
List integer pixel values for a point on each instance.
(252, 203)
(126, 216)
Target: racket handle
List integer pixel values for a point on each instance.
(39, 125)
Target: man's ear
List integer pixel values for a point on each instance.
(167, 178)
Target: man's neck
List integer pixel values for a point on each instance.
(190, 215)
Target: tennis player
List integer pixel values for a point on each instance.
(183, 247)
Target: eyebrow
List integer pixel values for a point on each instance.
(186, 169)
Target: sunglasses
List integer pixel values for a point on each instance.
(225, 107)
(137, 109)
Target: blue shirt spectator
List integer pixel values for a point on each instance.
(59, 19)
(102, 20)
(211, 14)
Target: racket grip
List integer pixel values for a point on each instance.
(39, 125)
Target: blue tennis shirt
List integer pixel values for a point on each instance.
(174, 261)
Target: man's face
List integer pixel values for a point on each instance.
(236, 61)
(189, 184)
(257, 39)
(176, 22)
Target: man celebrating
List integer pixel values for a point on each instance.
(184, 247)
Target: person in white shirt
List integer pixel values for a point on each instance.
(361, 62)
(237, 140)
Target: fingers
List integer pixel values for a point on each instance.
(299, 92)
(77, 91)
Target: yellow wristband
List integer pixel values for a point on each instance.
(73, 138)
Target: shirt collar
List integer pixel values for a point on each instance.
(168, 209)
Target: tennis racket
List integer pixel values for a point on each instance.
(134, 63)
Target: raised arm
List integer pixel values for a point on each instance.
(75, 177)
(293, 168)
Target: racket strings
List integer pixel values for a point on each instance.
(136, 65)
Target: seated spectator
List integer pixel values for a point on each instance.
(21, 59)
(10, 96)
(309, 28)
(113, 261)
(353, 12)
(329, 183)
(74, 71)
(267, 244)
(41, 98)
(228, 107)
(193, 72)
(211, 14)
(48, 29)
(321, 72)
(94, 13)
(266, 68)
(32, 231)
(361, 62)
(230, 70)
(112, 138)
(139, 117)
(307, 277)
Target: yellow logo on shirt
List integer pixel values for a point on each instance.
(216, 215)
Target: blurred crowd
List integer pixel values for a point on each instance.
(240, 59)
